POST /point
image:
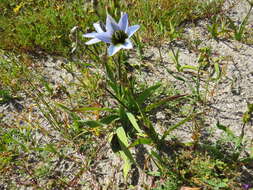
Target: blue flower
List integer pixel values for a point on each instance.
(99, 27)
(116, 34)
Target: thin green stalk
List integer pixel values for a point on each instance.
(160, 53)
(242, 26)
(119, 68)
(117, 99)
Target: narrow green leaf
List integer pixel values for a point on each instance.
(158, 160)
(109, 119)
(133, 121)
(109, 72)
(154, 173)
(162, 102)
(217, 71)
(92, 109)
(141, 141)
(225, 129)
(63, 107)
(182, 68)
(51, 148)
(114, 86)
(91, 123)
(147, 93)
(133, 104)
(176, 76)
(166, 133)
(48, 87)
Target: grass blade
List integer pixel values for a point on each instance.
(166, 133)
(141, 141)
(147, 93)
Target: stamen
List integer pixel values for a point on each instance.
(119, 37)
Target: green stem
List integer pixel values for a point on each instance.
(119, 67)
(117, 99)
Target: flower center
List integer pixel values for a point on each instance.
(119, 37)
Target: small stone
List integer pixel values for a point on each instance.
(160, 115)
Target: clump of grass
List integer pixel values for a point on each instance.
(13, 75)
(199, 170)
(157, 17)
(223, 27)
(43, 25)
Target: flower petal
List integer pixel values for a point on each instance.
(92, 41)
(123, 22)
(114, 49)
(132, 29)
(98, 28)
(128, 44)
(104, 36)
(111, 25)
(90, 35)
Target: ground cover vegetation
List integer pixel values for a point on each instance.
(55, 128)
